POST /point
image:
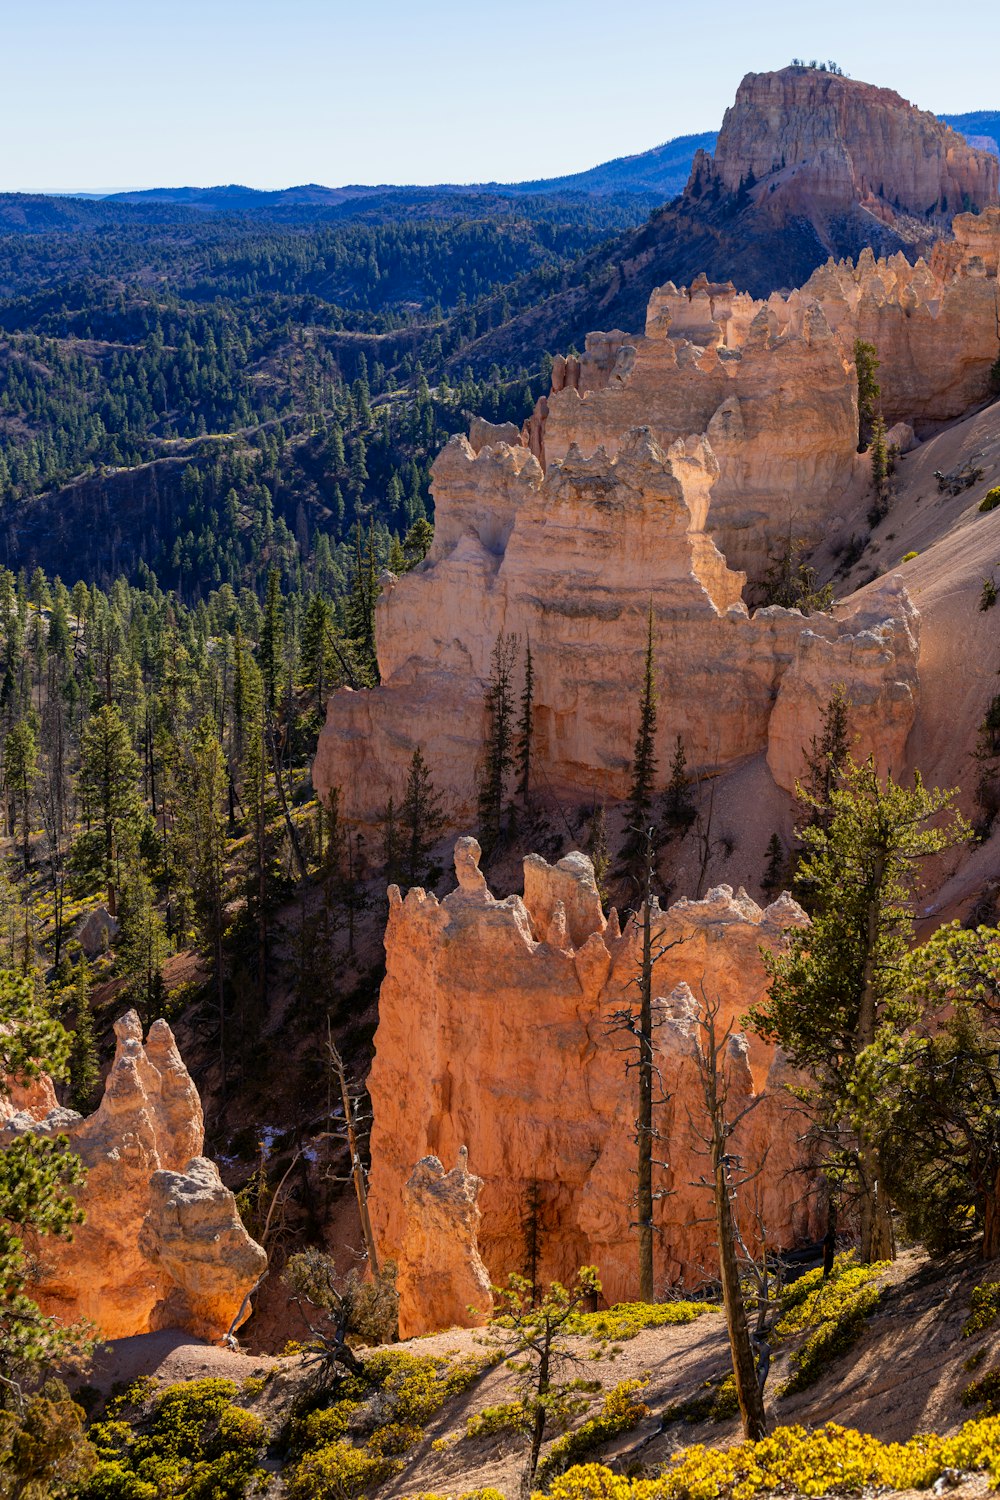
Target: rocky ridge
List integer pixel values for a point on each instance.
(496, 1033)
(162, 1245)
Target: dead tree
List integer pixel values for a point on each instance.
(639, 1025)
(355, 1125)
(727, 1177)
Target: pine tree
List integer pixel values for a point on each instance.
(525, 727)
(421, 818)
(391, 841)
(597, 848)
(640, 797)
(498, 759)
(110, 777)
(774, 868)
(826, 757)
(679, 811)
(866, 362)
(84, 1067)
(272, 640)
(840, 984)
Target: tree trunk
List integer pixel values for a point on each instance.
(991, 1223)
(748, 1391)
(878, 1241)
(645, 1122)
(538, 1426)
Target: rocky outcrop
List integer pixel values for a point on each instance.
(496, 1030)
(442, 1280)
(162, 1244)
(572, 560)
(805, 142)
(773, 385)
(876, 654)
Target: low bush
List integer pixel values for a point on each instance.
(984, 1306)
(190, 1440)
(626, 1319)
(830, 1461)
(991, 499)
(508, 1416)
(716, 1401)
(621, 1411)
(835, 1310)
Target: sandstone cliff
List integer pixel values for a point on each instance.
(162, 1245)
(493, 1033)
(571, 560)
(442, 1280)
(809, 142)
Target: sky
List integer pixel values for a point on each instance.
(101, 95)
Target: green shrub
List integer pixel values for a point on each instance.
(716, 1402)
(984, 1392)
(620, 1413)
(338, 1472)
(508, 1416)
(984, 1305)
(626, 1319)
(988, 594)
(189, 1440)
(835, 1310)
(991, 499)
(908, 556)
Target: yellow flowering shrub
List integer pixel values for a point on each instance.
(834, 1310)
(626, 1319)
(832, 1460)
(621, 1411)
(984, 1305)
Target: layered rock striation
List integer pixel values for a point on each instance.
(571, 560)
(162, 1244)
(497, 1030)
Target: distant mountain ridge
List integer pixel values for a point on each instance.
(661, 172)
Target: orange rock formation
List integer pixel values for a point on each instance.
(162, 1245)
(442, 1280)
(493, 1031)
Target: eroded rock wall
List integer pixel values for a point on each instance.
(496, 1033)
(571, 560)
(162, 1245)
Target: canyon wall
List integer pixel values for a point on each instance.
(571, 561)
(162, 1245)
(496, 1034)
(773, 384)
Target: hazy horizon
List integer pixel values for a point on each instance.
(229, 93)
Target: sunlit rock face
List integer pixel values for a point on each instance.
(162, 1244)
(496, 1031)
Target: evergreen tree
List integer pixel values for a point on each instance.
(421, 818)
(866, 363)
(391, 841)
(640, 797)
(679, 811)
(110, 777)
(839, 986)
(525, 727)
(20, 777)
(597, 848)
(498, 758)
(272, 640)
(84, 1066)
(774, 867)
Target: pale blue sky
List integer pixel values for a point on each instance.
(130, 93)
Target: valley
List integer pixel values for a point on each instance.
(500, 772)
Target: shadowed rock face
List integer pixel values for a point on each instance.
(162, 1245)
(493, 1032)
